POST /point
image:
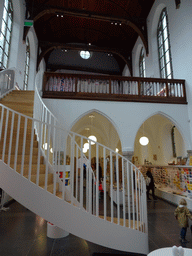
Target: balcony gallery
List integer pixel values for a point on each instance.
(113, 88)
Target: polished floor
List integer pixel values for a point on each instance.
(22, 233)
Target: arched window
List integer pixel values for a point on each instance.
(142, 63)
(165, 62)
(5, 33)
(27, 61)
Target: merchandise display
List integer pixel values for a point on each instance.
(172, 179)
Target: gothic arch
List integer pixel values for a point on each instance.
(157, 127)
(104, 127)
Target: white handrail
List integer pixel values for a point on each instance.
(123, 183)
(7, 79)
(129, 195)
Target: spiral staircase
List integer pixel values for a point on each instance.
(34, 151)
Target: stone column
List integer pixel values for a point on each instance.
(128, 154)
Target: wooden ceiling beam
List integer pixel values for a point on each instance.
(49, 47)
(140, 29)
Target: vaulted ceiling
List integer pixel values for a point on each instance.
(109, 26)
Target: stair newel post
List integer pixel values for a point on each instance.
(11, 137)
(111, 186)
(24, 144)
(123, 186)
(39, 151)
(105, 196)
(5, 135)
(133, 195)
(1, 124)
(97, 180)
(17, 142)
(117, 177)
(90, 179)
(31, 150)
(72, 168)
(128, 193)
(81, 175)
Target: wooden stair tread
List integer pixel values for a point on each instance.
(23, 102)
(20, 101)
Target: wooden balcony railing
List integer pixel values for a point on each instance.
(113, 88)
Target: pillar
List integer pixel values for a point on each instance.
(128, 154)
(55, 232)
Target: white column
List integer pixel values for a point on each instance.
(128, 155)
(55, 232)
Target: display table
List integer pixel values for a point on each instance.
(168, 252)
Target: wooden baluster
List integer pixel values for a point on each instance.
(167, 90)
(139, 87)
(109, 86)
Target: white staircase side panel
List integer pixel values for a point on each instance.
(70, 218)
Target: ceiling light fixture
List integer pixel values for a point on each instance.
(85, 55)
(143, 140)
(93, 139)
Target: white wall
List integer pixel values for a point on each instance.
(33, 42)
(180, 30)
(127, 117)
(18, 46)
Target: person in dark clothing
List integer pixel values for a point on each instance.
(100, 173)
(150, 184)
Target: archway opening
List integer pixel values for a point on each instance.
(165, 146)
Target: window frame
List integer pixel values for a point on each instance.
(27, 65)
(142, 66)
(164, 46)
(6, 33)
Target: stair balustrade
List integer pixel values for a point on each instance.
(118, 173)
(7, 78)
(52, 159)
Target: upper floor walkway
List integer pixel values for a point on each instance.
(113, 88)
